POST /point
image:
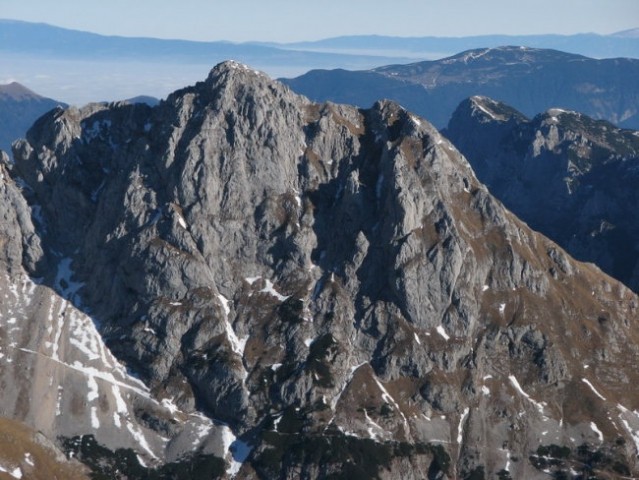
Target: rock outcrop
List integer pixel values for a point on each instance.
(328, 291)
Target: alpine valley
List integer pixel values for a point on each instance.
(240, 282)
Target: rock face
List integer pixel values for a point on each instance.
(19, 108)
(571, 177)
(306, 291)
(531, 79)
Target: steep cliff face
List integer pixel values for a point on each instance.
(570, 177)
(329, 291)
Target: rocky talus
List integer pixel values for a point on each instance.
(242, 283)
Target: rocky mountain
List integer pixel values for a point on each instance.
(530, 79)
(571, 177)
(242, 283)
(19, 108)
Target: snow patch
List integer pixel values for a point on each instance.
(634, 417)
(182, 222)
(140, 438)
(269, 288)
(486, 111)
(225, 303)
(235, 450)
(373, 425)
(95, 421)
(93, 389)
(460, 427)
(419, 342)
(442, 332)
(240, 451)
(14, 472)
(63, 282)
(169, 405)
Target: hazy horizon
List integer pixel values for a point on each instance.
(288, 21)
(281, 21)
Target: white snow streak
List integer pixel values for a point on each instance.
(271, 291)
(593, 389)
(634, 416)
(237, 344)
(485, 110)
(374, 425)
(389, 399)
(515, 383)
(460, 427)
(140, 438)
(594, 428)
(225, 303)
(95, 421)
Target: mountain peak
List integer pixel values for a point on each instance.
(492, 110)
(510, 54)
(233, 67)
(17, 91)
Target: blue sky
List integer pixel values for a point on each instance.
(294, 20)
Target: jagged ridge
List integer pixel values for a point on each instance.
(569, 176)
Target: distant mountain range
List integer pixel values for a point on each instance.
(530, 79)
(621, 44)
(27, 38)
